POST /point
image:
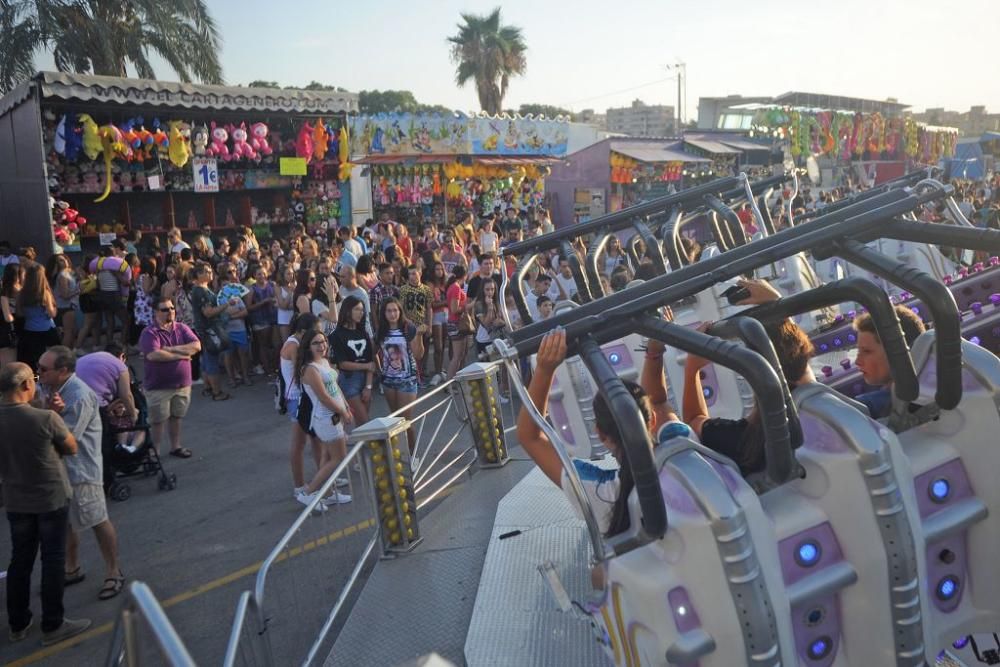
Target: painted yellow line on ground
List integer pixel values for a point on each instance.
(194, 592)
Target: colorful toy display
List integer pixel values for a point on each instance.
(851, 136)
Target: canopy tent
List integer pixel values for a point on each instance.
(969, 161)
(651, 152)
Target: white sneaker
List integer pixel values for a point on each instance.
(415, 463)
(436, 380)
(357, 466)
(336, 498)
(258, 370)
(342, 482)
(198, 381)
(297, 490)
(306, 498)
(504, 400)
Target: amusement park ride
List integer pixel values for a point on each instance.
(863, 542)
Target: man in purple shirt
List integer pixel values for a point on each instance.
(167, 347)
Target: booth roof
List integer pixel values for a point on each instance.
(498, 160)
(645, 151)
(172, 94)
(711, 147)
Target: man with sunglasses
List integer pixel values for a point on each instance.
(167, 347)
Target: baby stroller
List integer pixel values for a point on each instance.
(131, 460)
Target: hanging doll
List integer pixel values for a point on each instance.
(218, 149)
(320, 140)
(91, 139)
(241, 148)
(199, 140)
(383, 191)
(402, 190)
(304, 146)
(258, 139)
(415, 190)
(179, 149)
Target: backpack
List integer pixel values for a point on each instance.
(185, 311)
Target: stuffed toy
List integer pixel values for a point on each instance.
(241, 149)
(162, 143)
(74, 139)
(179, 149)
(218, 149)
(113, 145)
(304, 144)
(199, 140)
(333, 141)
(59, 140)
(320, 140)
(258, 139)
(91, 139)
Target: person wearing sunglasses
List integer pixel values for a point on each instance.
(167, 347)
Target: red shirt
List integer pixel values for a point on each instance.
(456, 293)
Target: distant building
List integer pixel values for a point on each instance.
(642, 120)
(590, 117)
(735, 112)
(971, 123)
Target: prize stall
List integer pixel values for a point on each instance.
(432, 166)
(881, 147)
(100, 156)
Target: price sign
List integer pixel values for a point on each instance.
(206, 174)
(105, 238)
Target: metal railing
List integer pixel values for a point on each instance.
(252, 640)
(142, 629)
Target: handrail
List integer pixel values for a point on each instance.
(140, 601)
(597, 246)
(708, 272)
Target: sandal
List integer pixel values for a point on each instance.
(181, 453)
(112, 587)
(206, 392)
(221, 396)
(74, 577)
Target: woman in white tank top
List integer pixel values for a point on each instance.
(330, 414)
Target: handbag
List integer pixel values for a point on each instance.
(214, 338)
(466, 325)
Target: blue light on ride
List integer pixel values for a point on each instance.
(820, 648)
(960, 643)
(807, 554)
(940, 489)
(614, 358)
(947, 588)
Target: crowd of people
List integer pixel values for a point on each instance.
(329, 319)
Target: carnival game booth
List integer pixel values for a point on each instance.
(118, 154)
(434, 165)
(874, 147)
(618, 173)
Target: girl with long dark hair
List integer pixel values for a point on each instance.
(10, 285)
(438, 282)
(400, 347)
(67, 294)
(354, 355)
(330, 413)
(607, 489)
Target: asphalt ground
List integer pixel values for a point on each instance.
(200, 545)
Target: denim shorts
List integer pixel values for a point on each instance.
(408, 386)
(210, 362)
(352, 383)
(292, 409)
(239, 339)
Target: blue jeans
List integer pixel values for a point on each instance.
(27, 533)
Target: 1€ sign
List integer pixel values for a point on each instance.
(206, 174)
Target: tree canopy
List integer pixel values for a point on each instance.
(395, 101)
(488, 54)
(109, 37)
(547, 110)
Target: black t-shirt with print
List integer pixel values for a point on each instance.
(351, 345)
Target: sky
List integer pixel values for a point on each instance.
(600, 54)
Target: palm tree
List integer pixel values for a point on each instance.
(489, 54)
(107, 36)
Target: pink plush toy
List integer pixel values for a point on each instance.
(241, 148)
(218, 147)
(258, 139)
(304, 144)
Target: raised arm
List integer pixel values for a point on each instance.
(551, 353)
(654, 383)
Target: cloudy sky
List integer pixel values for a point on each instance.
(596, 54)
